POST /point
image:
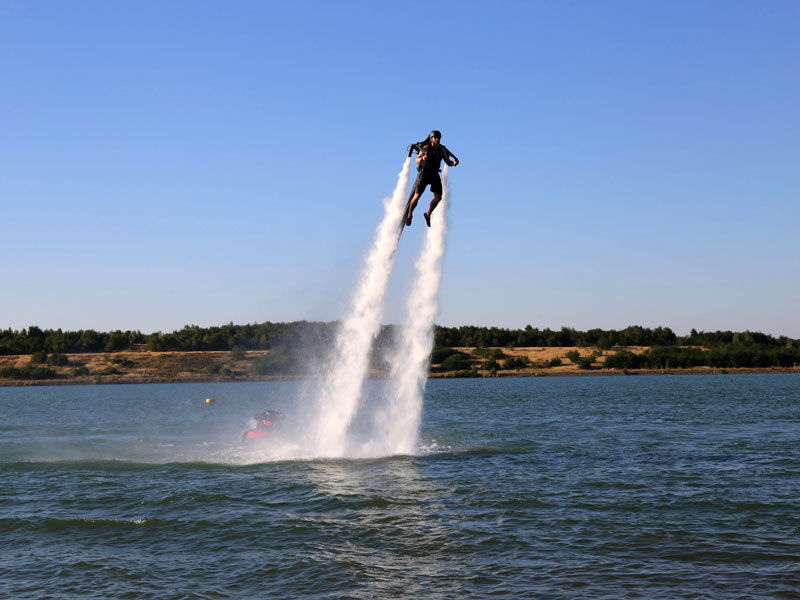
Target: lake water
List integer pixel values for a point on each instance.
(586, 487)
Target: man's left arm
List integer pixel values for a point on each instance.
(449, 158)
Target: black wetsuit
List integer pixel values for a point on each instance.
(432, 157)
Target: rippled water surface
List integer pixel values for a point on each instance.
(592, 487)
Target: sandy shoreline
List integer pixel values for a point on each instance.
(593, 373)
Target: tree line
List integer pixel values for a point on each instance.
(720, 357)
(605, 339)
(263, 336)
(307, 334)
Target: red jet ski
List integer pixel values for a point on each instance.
(264, 425)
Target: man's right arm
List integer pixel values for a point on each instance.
(423, 154)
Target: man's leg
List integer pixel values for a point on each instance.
(434, 203)
(411, 207)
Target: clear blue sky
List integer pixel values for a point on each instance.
(167, 163)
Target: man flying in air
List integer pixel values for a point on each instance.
(431, 155)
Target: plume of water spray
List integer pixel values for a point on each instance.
(348, 365)
(398, 423)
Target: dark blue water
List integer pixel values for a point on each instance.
(624, 487)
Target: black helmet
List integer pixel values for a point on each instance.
(435, 134)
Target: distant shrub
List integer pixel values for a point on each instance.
(490, 364)
(573, 355)
(279, 361)
(81, 371)
(237, 353)
(585, 362)
(214, 369)
(9, 373)
(41, 373)
(473, 372)
(440, 353)
(624, 359)
(57, 359)
(489, 353)
(555, 362)
(219, 369)
(39, 357)
(674, 357)
(28, 372)
(456, 362)
(517, 362)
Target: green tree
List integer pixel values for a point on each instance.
(90, 341)
(117, 341)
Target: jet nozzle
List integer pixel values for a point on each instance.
(415, 146)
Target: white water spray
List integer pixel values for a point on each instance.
(398, 423)
(348, 365)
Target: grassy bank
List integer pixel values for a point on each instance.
(173, 367)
